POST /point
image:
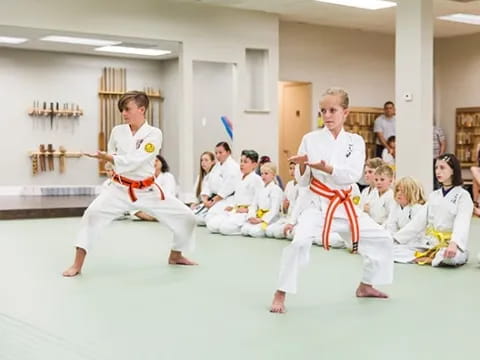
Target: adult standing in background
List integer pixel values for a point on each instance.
(439, 148)
(384, 128)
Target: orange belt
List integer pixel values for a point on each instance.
(136, 184)
(337, 198)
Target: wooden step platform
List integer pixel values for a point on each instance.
(30, 207)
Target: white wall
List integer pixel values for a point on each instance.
(361, 62)
(458, 64)
(33, 75)
(170, 114)
(213, 89)
(207, 34)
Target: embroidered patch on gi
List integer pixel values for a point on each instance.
(349, 150)
(149, 147)
(356, 200)
(138, 143)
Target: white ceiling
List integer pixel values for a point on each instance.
(304, 11)
(35, 44)
(314, 12)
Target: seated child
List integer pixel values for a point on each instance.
(234, 216)
(265, 209)
(409, 201)
(444, 221)
(368, 194)
(379, 208)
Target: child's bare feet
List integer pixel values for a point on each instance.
(71, 271)
(278, 303)
(176, 258)
(365, 290)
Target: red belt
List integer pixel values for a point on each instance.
(136, 184)
(337, 198)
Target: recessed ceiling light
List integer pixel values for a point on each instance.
(463, 18)
(133, 50)
(12, 40)
(362, 4)
(79, 40)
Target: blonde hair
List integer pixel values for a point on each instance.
(269, 167)
(374, 163)
(384, 170)
(336, 91)
(412, 189)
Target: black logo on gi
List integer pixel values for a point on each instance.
(139, 142)
(349, 150)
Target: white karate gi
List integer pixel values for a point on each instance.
(380, 206)
(346, 154)
(231, 222)
(167, 183)
(368, 195)
(449, 213)
(134, 158)
(397, 219)
(222, 181)
(275, 229)
(269, 198)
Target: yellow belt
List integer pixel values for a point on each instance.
(259, 214)
(443, 239)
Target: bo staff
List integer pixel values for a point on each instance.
(50, 157)
(61, 159)
(43, 164)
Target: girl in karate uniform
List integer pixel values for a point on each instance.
(234, 216)
(265, 209)
(289, 199)
(409, 202)
(329, 161)
(444, 221)
(203, 185)
(224, 178)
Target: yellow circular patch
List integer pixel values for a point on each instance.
(149, 148)
(356, 200)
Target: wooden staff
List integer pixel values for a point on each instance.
(43, 163)
(61, 159)
(50, 157)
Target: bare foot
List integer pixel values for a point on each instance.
(278, 303)
(365, 290)
(180, 260)
(71, 271)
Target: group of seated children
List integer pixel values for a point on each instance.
(424, 231)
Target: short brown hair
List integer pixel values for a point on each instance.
(374, 163)
(140, 98)
(384, 170)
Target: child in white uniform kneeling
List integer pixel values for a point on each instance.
(369, 194)
(265, 209)
(379, 208)
(290, 196)
(234, 216)
(445, 220)
(409, 202)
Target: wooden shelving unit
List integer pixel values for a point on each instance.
(467, 135)
(360, 121)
